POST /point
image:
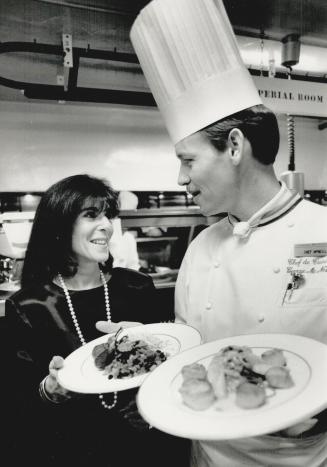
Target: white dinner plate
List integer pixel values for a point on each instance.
(161, 405)
(80, 374)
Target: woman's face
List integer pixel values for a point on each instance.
(91, 234)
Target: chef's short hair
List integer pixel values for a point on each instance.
(258, 124)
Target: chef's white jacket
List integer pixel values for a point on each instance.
(228, 285)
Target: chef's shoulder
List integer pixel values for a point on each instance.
(314, 208)
(311, 216)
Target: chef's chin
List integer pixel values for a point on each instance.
(207, 210)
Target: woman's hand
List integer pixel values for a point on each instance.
(53, 390)
(109, 327)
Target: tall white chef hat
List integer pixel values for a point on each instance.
(190, 58)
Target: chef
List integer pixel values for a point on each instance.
(263, 267)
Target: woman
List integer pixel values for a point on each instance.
(68, 286)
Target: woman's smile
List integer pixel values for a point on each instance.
(100, 241)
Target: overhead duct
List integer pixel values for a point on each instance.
(68, 90)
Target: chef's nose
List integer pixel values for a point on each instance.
(183, 177)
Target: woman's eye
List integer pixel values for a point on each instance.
(91, 214)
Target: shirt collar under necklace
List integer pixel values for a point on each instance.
(281, 203)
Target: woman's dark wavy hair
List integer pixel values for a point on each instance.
(49, 249)
(258, 124)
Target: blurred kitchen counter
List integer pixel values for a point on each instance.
(6, 289)
(3, 296)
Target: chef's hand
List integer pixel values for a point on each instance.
(109, 327)
(52, 388)
(299, 428)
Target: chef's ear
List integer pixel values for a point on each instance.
(235, 145)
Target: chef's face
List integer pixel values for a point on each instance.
(91, 234)
(207, 173)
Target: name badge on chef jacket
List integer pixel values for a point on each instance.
(309, 258)
(310, 249)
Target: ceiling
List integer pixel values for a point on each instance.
(277, 18)
(260, 25)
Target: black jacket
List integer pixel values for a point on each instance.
(79, 431)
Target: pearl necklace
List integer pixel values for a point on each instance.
(78, 329)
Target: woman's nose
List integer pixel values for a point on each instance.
(106, 223)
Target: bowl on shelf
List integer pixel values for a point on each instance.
(163, 273)
(158, 273)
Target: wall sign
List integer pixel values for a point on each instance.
(293, 97)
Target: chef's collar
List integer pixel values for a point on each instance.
(278, 206)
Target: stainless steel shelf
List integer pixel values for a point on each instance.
(155, 239)
(165, 217)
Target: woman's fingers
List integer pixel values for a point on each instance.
(106, 326)
(51, 383)
(56, 363)
(110, 327)
(129, 324)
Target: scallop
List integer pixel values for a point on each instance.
(261, 367)
(194, 371)
(274, 357)
(197, 394)
(279, 377)
(250, 396)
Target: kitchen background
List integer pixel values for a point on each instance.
(53, 134)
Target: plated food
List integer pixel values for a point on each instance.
(161, 403)
(236, 373)
(129, 356)
(107, 364)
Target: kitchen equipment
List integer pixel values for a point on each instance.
(15, 229)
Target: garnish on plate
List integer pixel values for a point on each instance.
(127, 356)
